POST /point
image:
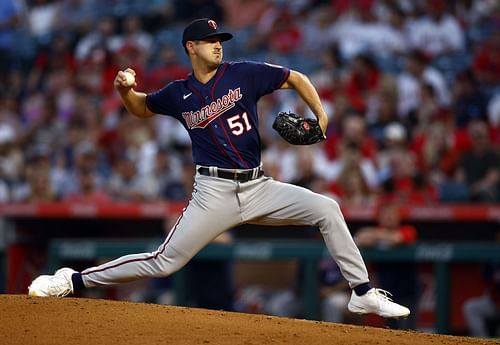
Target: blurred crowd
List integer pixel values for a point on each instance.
(412, 89)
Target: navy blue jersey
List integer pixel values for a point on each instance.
(221, 115)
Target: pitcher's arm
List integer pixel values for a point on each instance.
(308, 93)
(134, 101)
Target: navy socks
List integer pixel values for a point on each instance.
(76, 279)
(361, 289)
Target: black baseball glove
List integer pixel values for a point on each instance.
(298, 130)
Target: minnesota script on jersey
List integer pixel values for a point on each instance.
(221, 115)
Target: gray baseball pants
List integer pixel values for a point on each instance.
(219, 204)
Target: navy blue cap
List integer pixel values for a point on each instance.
(201, 29)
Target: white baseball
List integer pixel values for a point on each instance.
(129, 79)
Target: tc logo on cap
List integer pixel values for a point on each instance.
(202, 29)
(212, 24)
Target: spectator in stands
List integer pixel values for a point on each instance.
(486, 61)
(482, 313)
(305, 168)
(282, 37)
(383, 9)
(81, 157)
(74, 143)
(479, 168)
(334, 294)
(134, 39)
(42, 19)
(437, 33)
(170, 132)
(141, 145)
(9, 19)
(104, 35)
(15, 80)
(428, 110)
(10, 117)
(277, 32)
(358, 30)
(382, 109)
(60, 178)
(281, 157)
(95, 71)
(37, 175)
(394, 146)
(351, 186)
(362, 83)
(4, 191)
(326, 78)
(494, 111)
(43, 128)
(75, 16)
(11, 156)
(56, 58)
(353, 143)
(318, 30)
(167, 176)
(127, 185)
(341, 110)
(395, 36)
(400, 278)
(398, 170)
(437, 158)
(166, 69)
(471, 14)
(418, 72)
(376, 28)
(353, 133)
(111, 137)
(88, 189)
(468, 100)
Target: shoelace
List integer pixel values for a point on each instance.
(383, 295)
(58, 284)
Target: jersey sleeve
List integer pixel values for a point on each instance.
(267, 77)
(162, 101)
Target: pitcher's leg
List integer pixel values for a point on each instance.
(280, 203)
(271, 202)
(160, 263)
(207, 215)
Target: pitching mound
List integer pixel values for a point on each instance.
(27, 320)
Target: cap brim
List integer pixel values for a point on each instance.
(224, 36)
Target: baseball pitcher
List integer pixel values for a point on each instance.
(217, 104)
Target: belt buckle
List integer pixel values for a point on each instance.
(235, 176)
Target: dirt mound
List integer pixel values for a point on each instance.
(26, 320)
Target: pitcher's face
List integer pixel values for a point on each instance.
(209, 51)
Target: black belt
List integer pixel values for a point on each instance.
(240, 176)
